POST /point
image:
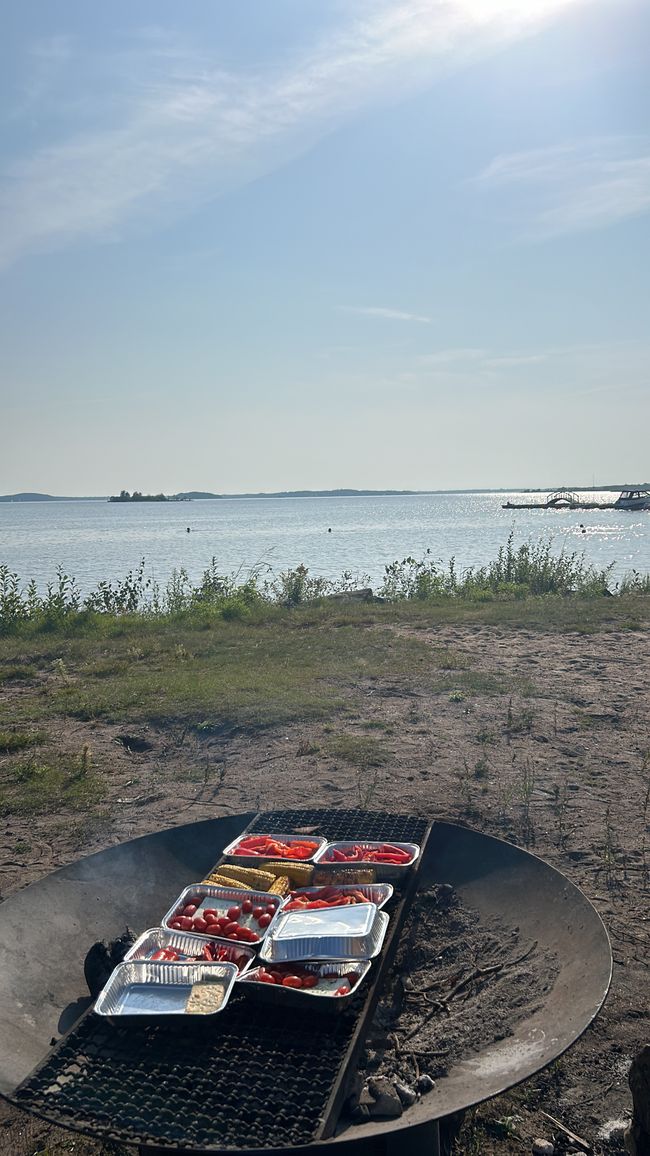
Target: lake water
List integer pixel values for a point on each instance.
(98, 540)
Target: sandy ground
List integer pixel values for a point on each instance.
(563, 769)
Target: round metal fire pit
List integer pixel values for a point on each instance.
(46, 930)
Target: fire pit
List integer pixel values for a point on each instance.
(264, 1078)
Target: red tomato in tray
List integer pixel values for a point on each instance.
(234, 913)
(264, 920)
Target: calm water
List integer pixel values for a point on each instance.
(98, 540)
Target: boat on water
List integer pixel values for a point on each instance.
(633, 500)
(567, 500)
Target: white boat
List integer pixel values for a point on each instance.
(633, 500)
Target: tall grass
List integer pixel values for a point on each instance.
(530, 570)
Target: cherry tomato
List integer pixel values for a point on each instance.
(189, 909)
(270, 907)
(210, 913)
(341, 991)
(234, 913)
(230, 928)
(310, 980)
(200, 924)
(185, 922)
(175, 925)
(292, 981)
(247, 906)
(257, 911)
(264, 919)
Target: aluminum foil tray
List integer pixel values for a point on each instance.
(143, 988)
(189, 948)
(332, 976)
(333, 933)
(384, 872)
(230, 852)
(221, 899)
(377, 893)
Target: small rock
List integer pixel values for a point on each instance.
(542, 1148)
(425, 1084)
(385, 1103)
(360, 1114)
(386, 1107)
(406, 1094)
(379, 1086)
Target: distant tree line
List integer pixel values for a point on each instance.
(136, 496)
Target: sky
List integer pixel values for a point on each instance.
(346, 243)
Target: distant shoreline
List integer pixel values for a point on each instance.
(196, 495)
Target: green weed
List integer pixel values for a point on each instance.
(11, 741)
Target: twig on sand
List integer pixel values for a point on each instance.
(478, 973)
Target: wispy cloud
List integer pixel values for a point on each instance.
(599, 367)
(575, 186)
(385, 313)
(185, 131)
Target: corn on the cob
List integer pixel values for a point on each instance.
(216, 880)
(298, 873)
(257, 880)
(339, 874)
(281, 885)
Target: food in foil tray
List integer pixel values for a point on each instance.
(274, 847)
(205, 997)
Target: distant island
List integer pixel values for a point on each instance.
(136, 496)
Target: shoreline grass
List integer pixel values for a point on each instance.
(531, 571)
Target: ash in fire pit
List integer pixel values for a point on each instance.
(459, 983)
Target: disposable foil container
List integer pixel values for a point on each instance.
(221, 898)
(331, 933)
(142, 988)
(384, 872)
(189, 947)
(332, 976)
(230, 852)
(377, 893)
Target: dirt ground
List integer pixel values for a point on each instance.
(562, 767)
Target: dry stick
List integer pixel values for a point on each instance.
(586, 1147)
(478, 973)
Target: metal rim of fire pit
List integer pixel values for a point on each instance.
(130, 883)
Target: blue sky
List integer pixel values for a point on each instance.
(307, 245)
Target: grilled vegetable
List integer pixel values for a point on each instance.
(256, 878)
(299, 874)
(219, 880)
(281, 885)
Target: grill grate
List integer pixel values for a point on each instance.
(257, 1077)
